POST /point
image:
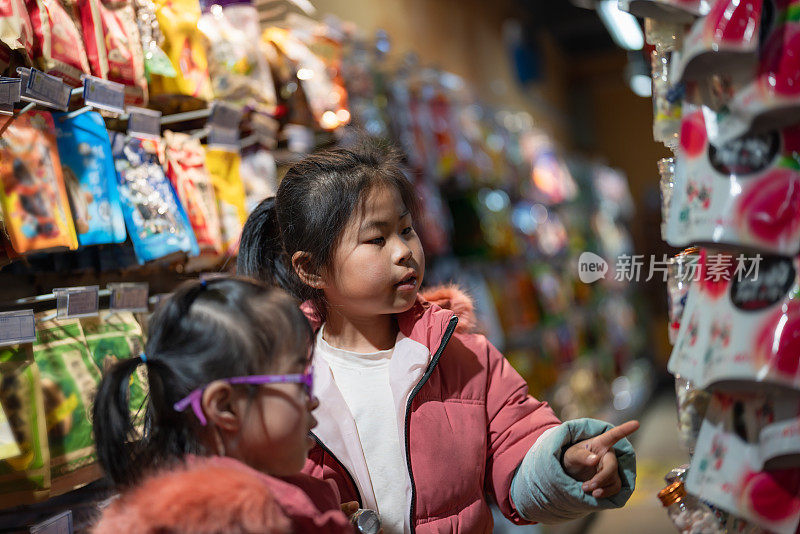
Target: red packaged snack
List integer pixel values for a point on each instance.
(16, 33)
(58, 43)
(113, 45)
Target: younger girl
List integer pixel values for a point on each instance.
(227, 421)
(417, 419)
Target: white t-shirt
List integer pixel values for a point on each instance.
(363, 380)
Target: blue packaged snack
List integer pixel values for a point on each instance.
(156, 219)
(88, 168)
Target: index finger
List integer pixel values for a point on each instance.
(608, 439)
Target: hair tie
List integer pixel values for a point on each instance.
(204, 283)
(143, 357)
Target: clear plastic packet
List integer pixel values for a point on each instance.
(33, 196)
(692, 406)
(90, 177)
(58, 42)
(155, 59)
(260, 177)
(185, 163)
(155, 218)
(113, 45)
(680, 273)
(745, 193)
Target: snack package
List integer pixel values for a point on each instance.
(115, 336)
(260, 177)
(155, 60)
(58, 42)
(69, 380)
(772, 99)
(224, 169)
(113, 45)
(91, 180)
(185, 47)
(680, 11)
(9, 448)
(723, 42)
(186, 168)
(730, 468)
(156, 220)
(16, 34)
(24, 478)
(32, 193)
(744, 193)
(238, 69)
(692, 406)
(740, 321)
(680, 273)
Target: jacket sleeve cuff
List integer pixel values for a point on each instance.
(542, 491)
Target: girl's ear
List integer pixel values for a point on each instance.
(220, 406)
(301, 262)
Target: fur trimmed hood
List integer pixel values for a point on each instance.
(219, 495)
(453, 298)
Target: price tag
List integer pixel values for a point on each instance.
(143, 122)
(17, 327)
(74, 302)
(50, 90)
(10, 90)
(6, 109)
(156, 300)
(103, 94)
(129, 297)
(225, 115)
(59, 524)
(224, 138)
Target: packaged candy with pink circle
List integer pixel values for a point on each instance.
(772, 99)
(740, 322)
(725, 41)
(681, 11)
(745, 193)
(733, 466)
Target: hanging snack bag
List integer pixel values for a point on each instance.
(16, 34)
(723, 42)
(24, 478)
(185, 46)
(730, 468)
(115, 336)
(69, 380)
(260, 177)
(739, 322)
(156, 220)
(155, 60)
(32, 193)
(58, 42)
(186, 168)
(238, 69)
(744, 193)
(224, 169)
(113, 45)
(90, 177)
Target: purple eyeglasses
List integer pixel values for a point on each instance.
(195, 397)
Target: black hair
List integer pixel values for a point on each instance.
(309, 213)
(205, 331)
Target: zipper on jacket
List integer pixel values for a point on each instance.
(451, 327)
(352, 480)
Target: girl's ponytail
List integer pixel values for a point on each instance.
(261, 252)
(115, 433)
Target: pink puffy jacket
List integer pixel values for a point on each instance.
(464, 415)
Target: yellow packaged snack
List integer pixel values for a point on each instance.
(227, 180)
(186, 48)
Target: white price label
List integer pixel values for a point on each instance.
(143, 122)
(129, 297)
(77, 301)
(59, 524)
(10, 90)
(103, 94)
(49, 89)
(225, 138)
(225, 115)
(17, 327)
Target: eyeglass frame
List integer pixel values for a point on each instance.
(195, 398)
